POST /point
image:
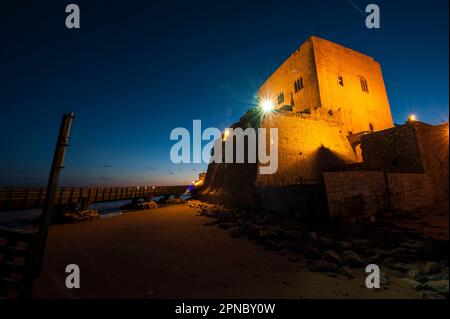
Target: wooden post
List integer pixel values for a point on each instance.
(57, 165)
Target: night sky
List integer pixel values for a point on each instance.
(137, 69)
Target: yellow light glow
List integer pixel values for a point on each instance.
(198, 183)
(267, 105)
(226, 133)
(412, 118)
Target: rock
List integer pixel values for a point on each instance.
(223, 216)
(439, 286)
(254, 232)
(384, 279)
(345, 271)
(269, 234)
(416, 275)
(294, 258)
(389, 262)
(401, 254)
(293, 234)
(441, 276)
(412, 245)
(297, 247)
(352, 259)
(243, 228)
(234, 232)
(331, 256)
(432, 267)
(343, 245)
(175, 201)
(380, 256)
(327, 243)
(226, 225)
(310, 252)
(274, 245)
(79, 215)
(432, 295)
(322, 265)
(361, 242)
(141, 204)
(413, 283)
(313, 237)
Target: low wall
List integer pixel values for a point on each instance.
(355, 193)
(409, 191)
(301, 201)
(365, 193)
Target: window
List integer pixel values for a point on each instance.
(340, 80)
(364, 86)
(298, 84)
(280, 98)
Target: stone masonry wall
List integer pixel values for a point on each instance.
(364, 193)
(306, 147)
(414, 147)
(433, 145)
(361, 110)
(393, 150)
(355, 193)
(409, 191)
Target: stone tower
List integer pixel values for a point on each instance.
(323, 74)
(326, 97)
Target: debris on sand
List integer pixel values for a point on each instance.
(141, 204)
(77, 216)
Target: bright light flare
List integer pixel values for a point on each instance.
(267, 105)
(412, 118)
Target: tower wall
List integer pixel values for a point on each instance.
(300, 64)
(332, 77)
(361, 110)
(308, 144)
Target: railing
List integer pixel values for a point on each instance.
(34, 197)
(18, 252)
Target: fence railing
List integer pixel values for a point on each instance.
(34, 197)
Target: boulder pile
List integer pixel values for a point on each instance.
(340, 252)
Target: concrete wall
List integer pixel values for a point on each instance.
(365, 193)
(307, 146)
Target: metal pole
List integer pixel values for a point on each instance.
(57, 165)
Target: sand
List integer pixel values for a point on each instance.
(168, 252)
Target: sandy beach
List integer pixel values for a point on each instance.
(168, 252)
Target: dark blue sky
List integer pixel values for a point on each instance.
(137, 69)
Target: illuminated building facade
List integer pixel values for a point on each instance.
(324, 100)
(323, 74)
